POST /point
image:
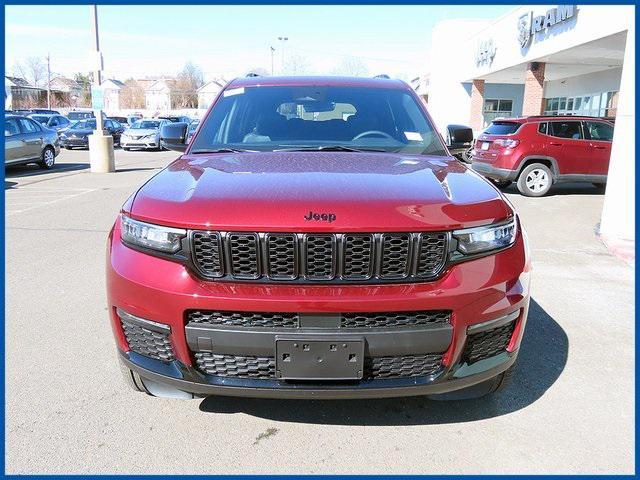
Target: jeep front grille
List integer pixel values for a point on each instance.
(319, 257)
(343, 320)
(244, 366)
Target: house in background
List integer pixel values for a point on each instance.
(19, 94)
(209, 91)
(71, 90)
(158, 95)
(111, 91)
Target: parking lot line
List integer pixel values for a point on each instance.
(53, 195)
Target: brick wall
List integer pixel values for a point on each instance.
(533, 89)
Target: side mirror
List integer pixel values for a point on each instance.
(174, 136)
(457, 134)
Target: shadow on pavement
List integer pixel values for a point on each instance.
(141, 169)
(563, 189)
(33, 170)
(542, 358)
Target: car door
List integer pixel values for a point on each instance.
(33, 138)
(569, 147)
(15, 148)
(600, 135)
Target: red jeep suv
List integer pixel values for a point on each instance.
(316, 239)
(536, 152)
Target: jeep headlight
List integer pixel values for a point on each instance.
(147, 235)
(478, 240)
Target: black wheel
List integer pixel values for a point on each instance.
(501, 183)
(535, 180)
(48, 158)
(601, 187)
(493, 385)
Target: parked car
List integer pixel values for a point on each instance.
(175, 118)
(26, 141)
(80, 115)
(459, 140)
(298, 249)
(191, 130)
(52, 121)
(77, 135)
(45, 111)
(537, 152)
(143, 134)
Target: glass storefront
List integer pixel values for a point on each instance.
(596, 105)
(494, 108)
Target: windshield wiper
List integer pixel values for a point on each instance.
(221, 150)
(327, 148)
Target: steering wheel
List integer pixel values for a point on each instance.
(372, 132)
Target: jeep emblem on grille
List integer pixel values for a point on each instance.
(324, 217)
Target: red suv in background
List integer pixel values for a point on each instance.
(536, 152)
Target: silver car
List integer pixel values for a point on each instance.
(26, 141)
(143, 134)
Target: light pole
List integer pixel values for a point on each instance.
(101, 154)
(282, 40)
(272, 52)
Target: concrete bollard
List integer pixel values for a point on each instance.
(101, 154)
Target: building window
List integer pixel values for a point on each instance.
(601, 104)
(494, 108)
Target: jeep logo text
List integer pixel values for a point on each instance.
(324, 217)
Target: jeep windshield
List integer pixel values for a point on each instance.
(322, 118)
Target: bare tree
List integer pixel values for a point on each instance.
(185, 88)
(33, 70)
(296, 65)
(132, 96)
(352, 66)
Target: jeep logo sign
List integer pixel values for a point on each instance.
(485, 52)
(320, 217)
(528, 25)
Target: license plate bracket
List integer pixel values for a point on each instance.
(325, 358)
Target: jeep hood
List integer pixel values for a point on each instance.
(275, 191)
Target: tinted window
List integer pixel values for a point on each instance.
(566, 130)
(53, 122)
(599, 131)
(63, 121)
(28, 126)
(43, 119)
(89, 124)
(542, 128)
(108, 124)
(289, 117)
(11, 127)
(502, 128)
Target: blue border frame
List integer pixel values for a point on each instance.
(298, 2)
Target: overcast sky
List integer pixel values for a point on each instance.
(139, 41)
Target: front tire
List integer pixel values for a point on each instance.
(48, 158)
(535, 180)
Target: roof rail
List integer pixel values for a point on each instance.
(383, 75)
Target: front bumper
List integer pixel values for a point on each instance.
(479, 294)
(489, 171)
(74, 142)
(140, 143)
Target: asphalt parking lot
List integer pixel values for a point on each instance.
(570, 408)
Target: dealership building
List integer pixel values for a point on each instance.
(551, 60)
